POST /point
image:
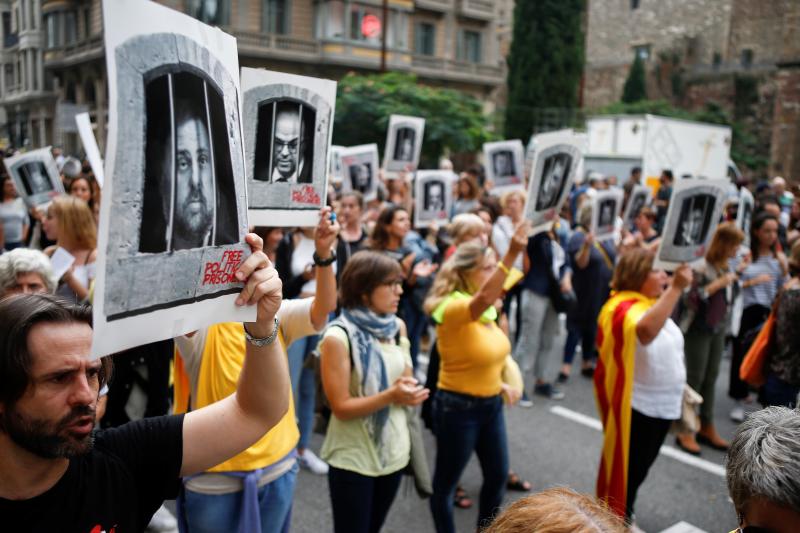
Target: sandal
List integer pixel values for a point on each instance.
(517, 483)
(461, 499)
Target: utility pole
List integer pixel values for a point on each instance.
(384, 32)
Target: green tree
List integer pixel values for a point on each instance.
(454, 121)
(545, 62)
(635, 86)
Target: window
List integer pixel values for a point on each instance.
(332, 20)
(70, 27)
(635, 4)
(642, 51)
(365, 24)
(9, 37)
(214, 12)
(747, 57)
(425, 39)
(61, 27)
(469, 46)
(53, 30)
(275, 17)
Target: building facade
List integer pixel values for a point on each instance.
(741, 54)
(53, 63)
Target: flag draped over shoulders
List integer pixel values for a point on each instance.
(613, 385)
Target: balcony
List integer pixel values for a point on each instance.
(439, 68)
(479, 9)
(74, 53)
(254, 44)
(434, 5)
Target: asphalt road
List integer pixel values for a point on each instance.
(552, 444)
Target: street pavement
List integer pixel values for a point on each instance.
(557, 443)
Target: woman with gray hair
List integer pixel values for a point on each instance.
(763, 471)
(26, 271)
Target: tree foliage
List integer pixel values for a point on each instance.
(454, 121)
(545, 62)
(745, 149)
(636, 85)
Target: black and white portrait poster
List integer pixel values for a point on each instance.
(35, 175)
(335, 170)
(360, 170)
(744, 213)
(174, 210)
(694, 211)
(640, 197)
(403, 143)
(433, 196)
(90, 147)
(606, 207)
(504, 162)
(555, 163)
(288, 122)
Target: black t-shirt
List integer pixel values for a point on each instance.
(115, 488)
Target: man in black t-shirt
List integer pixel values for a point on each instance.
(58, 474)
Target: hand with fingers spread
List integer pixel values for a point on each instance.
(424, 268)
(262, 287)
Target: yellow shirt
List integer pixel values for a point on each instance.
(472, 353)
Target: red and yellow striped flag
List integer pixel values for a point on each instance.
(613, 385)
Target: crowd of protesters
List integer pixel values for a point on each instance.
(371, 319)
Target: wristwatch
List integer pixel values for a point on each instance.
(265, 341)
(324, 262)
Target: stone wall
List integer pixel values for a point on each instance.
(785, 154)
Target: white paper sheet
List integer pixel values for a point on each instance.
(90, 146)
(61, 261)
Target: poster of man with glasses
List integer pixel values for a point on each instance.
(174, 213)
(287, 135)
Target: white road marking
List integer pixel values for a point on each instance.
(683, 527)
(669, 451)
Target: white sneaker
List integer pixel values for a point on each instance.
(737, 413)
(162, 521)
(312, 463)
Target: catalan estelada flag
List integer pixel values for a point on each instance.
(613, 385)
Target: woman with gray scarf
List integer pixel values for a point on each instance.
(367, 377)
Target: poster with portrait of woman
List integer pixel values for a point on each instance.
(403, 143)
(503, 161)
(288, 123)
(433, 197)
(359, 167)
(694, 212)
(35, 175)
(606, 207)
(555, 163)
(174, 211)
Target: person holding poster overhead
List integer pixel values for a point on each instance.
(57, 473)
(14, 223)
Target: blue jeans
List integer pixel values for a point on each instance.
(778, 392)
(464, 424)
(304, 386)
(219, 513)
(580, 333)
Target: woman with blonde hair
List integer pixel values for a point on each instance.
(474, 351)
(705, 323)
(70, 222)
(464, 228)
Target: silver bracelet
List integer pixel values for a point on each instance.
(266, 341)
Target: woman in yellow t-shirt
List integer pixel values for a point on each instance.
(468, 406)
(367, 377)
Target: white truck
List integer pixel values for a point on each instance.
(617, 143)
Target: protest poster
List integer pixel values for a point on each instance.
(359, 166)
(403, 143)
(744, 213)
(433, 197)
(504, 162)
(694, 211)
(555, 164)
(335, 170)
(288, 123)
(90, 147)
(606, 207)
(36, 176)
(174, 211)
(640, 197)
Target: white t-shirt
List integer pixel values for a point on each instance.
(502, 233)
(660, 374)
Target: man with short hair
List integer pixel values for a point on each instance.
(663, 196)
(763, 471)
(57, 473)
(26, 271)
(287, 152)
